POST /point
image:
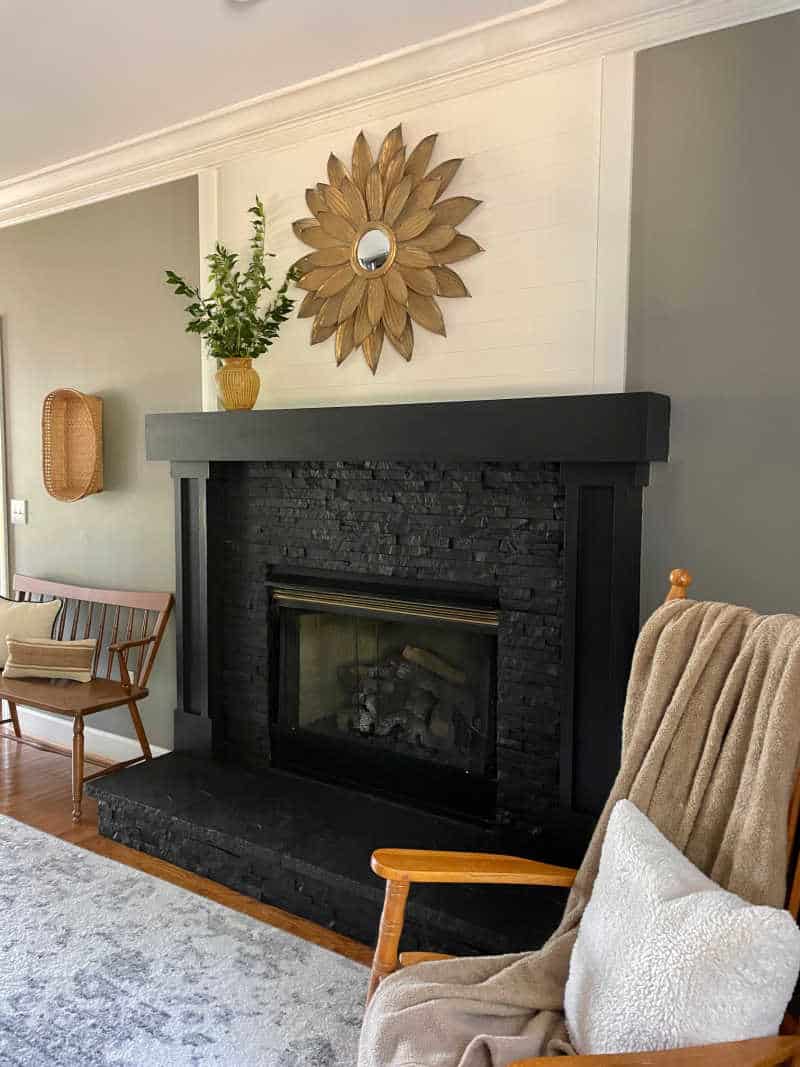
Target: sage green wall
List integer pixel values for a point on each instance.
(84, 305)
(715, 308)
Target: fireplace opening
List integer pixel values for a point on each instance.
(390, 694)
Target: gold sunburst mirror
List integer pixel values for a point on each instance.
(383, 239)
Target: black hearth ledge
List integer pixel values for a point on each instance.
(305, 845)
(602, 428)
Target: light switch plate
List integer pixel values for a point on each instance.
(19, 512)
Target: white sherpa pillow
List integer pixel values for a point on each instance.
(24, 620)
(665, 958)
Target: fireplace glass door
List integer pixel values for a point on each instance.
(391, 694)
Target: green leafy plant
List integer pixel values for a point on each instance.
(233, 318)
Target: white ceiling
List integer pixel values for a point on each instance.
(76, 75)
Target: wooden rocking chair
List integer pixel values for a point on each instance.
(401, 867)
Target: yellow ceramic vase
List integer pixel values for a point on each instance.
(237, 384)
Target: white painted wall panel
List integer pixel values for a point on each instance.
(531, 152)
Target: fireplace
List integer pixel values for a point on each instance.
(401, 625)
(385, 692)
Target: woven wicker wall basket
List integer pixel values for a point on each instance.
(72, 444)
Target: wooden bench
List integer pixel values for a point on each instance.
(125, 624)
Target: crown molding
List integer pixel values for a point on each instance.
(549, 34)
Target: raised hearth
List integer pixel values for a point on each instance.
(436, 602)
(305, 846)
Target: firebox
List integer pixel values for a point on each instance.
(392, 694)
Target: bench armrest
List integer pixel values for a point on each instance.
(759, 1052)
(121, 648)
(419, 865)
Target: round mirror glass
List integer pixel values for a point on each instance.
(373, 250)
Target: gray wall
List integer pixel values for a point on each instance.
(715, 309)
(84, 305)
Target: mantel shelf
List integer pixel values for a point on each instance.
(612, 428)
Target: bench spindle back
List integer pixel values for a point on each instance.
(109, 615)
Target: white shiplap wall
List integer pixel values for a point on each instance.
(532, 151)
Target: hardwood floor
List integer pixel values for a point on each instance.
(35, 789)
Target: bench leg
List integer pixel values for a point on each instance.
(12, 710)
(77, 767)
(139, 728)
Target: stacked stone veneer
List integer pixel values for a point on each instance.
(448, 526)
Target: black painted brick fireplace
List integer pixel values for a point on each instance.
(526, 511)
(493, 532)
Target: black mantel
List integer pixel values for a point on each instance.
(603, 444)
(608, 428)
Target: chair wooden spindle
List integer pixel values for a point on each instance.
(97, 651)
(114, 635)
(62, 616)
(88, 629)
(76, 616)
(140, 652)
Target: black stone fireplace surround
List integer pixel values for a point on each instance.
(526, 511)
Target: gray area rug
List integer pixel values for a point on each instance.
(102, 965)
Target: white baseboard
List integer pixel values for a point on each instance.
(39, 726)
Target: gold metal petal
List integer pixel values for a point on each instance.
(448, 283)
(337, 281)
(460, 248)
(421, 281)
(310, 306)
(300, 225)
(394, 171)
(337, 227)
(404, 344)
(392, 143)
(376, 296)
(435, 238)
(411, 256)
(304, 264)
(316, 236)
(396, 286)
(371, 347)
(344, 341)
(361, 325)
(330, 257)
(315, 201)
(394, 316)
(316, 277)
(445, 172)
(356, 208)
(374, 191)
(425, 311)
(362, 161)
(336, 170)
(452, 212)
(412, 225)
(421, 157)
(353, 297)
(396, 200)
(320, 333)
(422, 196)
(329, 312)
(335, 200)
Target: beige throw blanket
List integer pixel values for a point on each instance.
(710, 747)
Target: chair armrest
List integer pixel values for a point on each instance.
(123, 646)
(419, 865)
(759, 1052)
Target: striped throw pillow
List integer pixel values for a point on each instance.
(42, 657)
